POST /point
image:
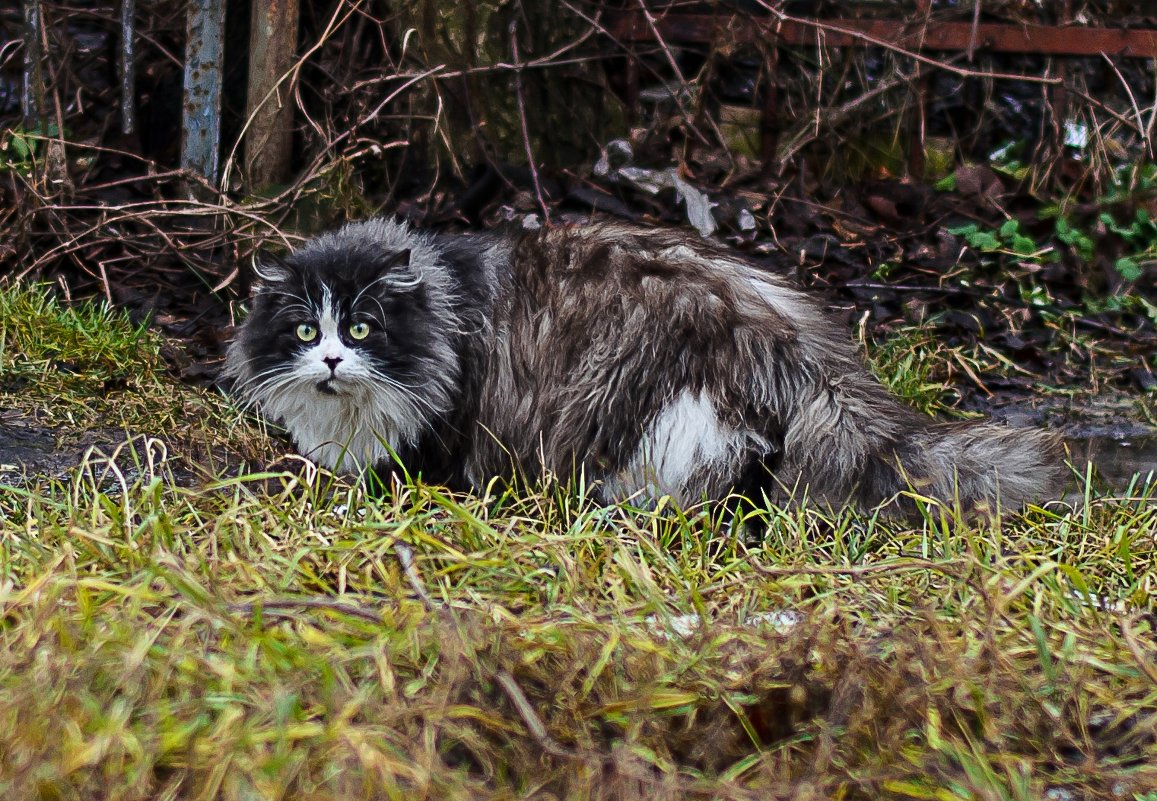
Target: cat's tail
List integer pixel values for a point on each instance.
(867, 449)
(983, 466)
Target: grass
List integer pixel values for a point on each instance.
(78, 354)
(85, 366)
(914, 365)
(280, 635)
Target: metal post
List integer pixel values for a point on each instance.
(128, 71)
(32, 86)
(201, 118)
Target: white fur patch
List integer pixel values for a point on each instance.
(684, 442)
(686, 434)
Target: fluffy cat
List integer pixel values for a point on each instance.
(653, 362)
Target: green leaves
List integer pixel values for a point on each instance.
(977, 238)
(1139, 235)
(1076, 238)
(1129, 269)
(19, 146)
(1009, 238)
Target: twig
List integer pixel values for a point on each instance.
(512, 30)
(1141, 128)
(860, 570)
(872, 40)
(594, 23)
(406, 558)
(335, 22)
(809, 130)
(975, 29)
(533, 722)
(1138, 652)
(290, 604)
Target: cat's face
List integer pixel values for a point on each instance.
(348, 331)
(333, 327)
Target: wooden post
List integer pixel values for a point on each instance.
(269, 103)
(201, 118)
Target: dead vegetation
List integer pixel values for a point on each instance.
(1031, 263)
(485, 113)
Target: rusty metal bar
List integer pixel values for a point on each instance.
(632, 26)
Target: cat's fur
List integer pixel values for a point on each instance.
(650, 361)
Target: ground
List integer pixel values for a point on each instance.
(191, 613)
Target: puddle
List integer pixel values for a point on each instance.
(1110, 431)
(1117, 459)
(30, 452)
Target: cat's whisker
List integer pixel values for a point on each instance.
(301, 308)
(265, 385)
(384, 319)
(243, 382)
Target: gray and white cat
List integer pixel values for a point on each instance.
(649, 361)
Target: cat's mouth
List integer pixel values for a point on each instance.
(326, 387)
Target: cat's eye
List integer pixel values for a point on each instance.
(360, 330)
(307, 332)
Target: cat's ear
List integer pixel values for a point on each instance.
(398, 272)
(399, 259)
(270, 268)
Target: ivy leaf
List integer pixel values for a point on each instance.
(985, 240)
(1129, 269)
(946, 184)
(19, 146)
(1023, 246)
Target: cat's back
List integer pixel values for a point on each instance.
(664, 278)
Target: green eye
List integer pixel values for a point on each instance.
(360, 330)
(307, 332)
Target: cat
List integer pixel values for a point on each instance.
(647, 361)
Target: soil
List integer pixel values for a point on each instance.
(28, 449)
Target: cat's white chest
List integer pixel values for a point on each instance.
(339, 434)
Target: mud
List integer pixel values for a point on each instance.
(1117, 461)
(31, 451)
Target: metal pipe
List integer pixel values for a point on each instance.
(201, 117)
(32, 84)
(128, 70)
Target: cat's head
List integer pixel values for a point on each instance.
(354, 323)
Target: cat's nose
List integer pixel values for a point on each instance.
(332, 362)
